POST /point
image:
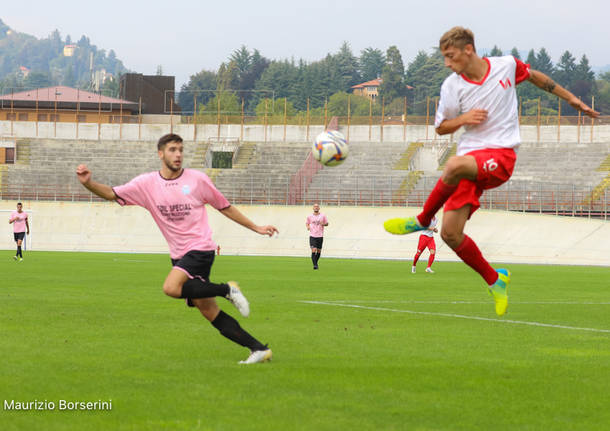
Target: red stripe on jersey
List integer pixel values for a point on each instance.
(523, 71)
(484, 78)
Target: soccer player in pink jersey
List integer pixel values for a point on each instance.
(480, 96)
(176, 199)
(19, 220)
(315, 224)
(426, 240)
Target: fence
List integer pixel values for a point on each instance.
(540, 197)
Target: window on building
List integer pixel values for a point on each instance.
(9, 157)
(81, 118)
(42, 117)
(53, 117)
(23, 116)
(11, 116)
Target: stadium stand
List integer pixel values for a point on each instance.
(562, 178)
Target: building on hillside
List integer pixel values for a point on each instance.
(368, 89)
(156, 92)
(69, 50)
(66, 104)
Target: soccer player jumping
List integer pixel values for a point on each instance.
(176, 198)
(481, 96)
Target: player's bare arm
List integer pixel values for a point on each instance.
(238, 217)
(102, 190)
(472, 117)
(541, 80)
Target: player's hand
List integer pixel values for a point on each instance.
(83, 174)
(474, 116)
(581, 106)
(266, 230)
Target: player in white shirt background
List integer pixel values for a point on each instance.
(481, 97)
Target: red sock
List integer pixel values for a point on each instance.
(438, 196)
(471, 255)
(431, 259)
(416, 258)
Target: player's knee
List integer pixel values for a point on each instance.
(172, 289)
(432, 251)
(451, 238)
(455, 170)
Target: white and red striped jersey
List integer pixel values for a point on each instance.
(496, 93)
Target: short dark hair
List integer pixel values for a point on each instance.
(19, 203)
(166, 139)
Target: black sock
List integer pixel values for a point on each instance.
(317, 257)
(229, 327)
(196, 288)
(313, 258)
(19, 251)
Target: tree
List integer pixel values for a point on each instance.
(426, 74)
(347, 67)
(515, 53)
(602, 99)
(359, 105)
(411, 77)
(495, 52)
(37, 80)
(274, 108)
(544, 63)
(229, 104)
(371, 63)
(566, 68)
(201, 86)
(583, 84)
(393, 83)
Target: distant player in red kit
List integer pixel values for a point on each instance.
(480, 96)
(426, 240)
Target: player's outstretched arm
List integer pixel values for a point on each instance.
(237, 216)
(541, 80)
(102, 190)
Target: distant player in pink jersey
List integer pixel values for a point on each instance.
(315, 224)
(19, 220)
(176, 199)
(481, 97)
(426, 240)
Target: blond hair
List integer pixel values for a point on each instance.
(457, 37)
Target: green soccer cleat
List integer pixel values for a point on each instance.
(402, 226)
(498, 291)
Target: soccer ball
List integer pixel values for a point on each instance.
(330, 148)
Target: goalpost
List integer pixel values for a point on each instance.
(8, 230)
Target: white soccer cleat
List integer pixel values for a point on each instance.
(413, 270)
(258, 356)
(15, 257)
(238, 299)
(429, 271)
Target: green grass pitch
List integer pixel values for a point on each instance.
(382, 350)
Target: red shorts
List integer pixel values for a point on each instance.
(495, 166)
(426, 241)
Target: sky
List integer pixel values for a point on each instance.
(187, 36)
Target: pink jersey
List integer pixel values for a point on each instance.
(316, 224)
(19, 224)
(496, 93)
(177, 206)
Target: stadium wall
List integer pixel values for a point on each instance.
(276, 133)
(353, 232)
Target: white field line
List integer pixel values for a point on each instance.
(471, 302)
(459, 316)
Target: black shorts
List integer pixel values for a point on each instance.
(19, 236)
(196, 264)
(316, 242)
